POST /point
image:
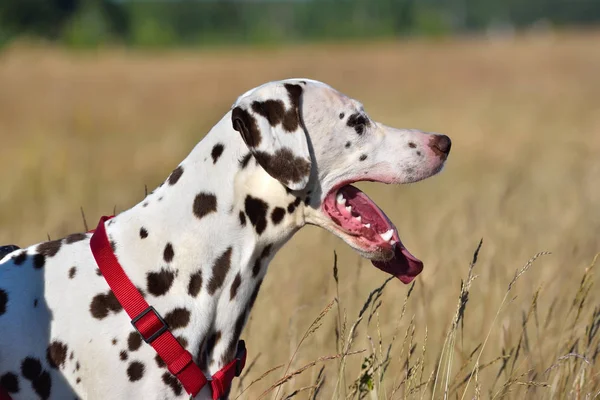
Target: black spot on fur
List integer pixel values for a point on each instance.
(49, 249)
(31, 369)
(123, 355)
(10, 382)
(3, 301)
(77, 365)
(419, 153)
(204, 203)
(235, 286)
(220, 269)
(266, 251)
(195, 284)
(256, 267)
(56, 354)
(114, 341)
(342, 115)
(244, 161)
(246, 125)
(173, 383)
(307, 200)
(256, 209)
(72, 272)
(145, 204)
(39, 260)
(274, 110)
(159, 361)
(348, 144)
(412, 145)
(363, 157)
(75, 237)
(20, 258)
(143, 233)
(159, 283)
(358, 122)
(134, 341)
(178, 318)
(113, 246)
(242, 218)
(284, 165)
(103, 303)
(135, 371)
(277, 215)
(98, 272)
(291, 207)
(216, 152)
(168, 253)
(175, 175)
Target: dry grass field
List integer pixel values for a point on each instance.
(91, 129)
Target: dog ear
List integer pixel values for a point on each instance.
(269, 121)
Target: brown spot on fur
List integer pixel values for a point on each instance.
(220, 269)
(277, 215)
(175, 175)
(159, 283)
(75, 237)
(173, 383)
(102, 304)
(283, 165)
(235, 286)
(204, 203)
(256, 209)
(168, 253)
(135, 371)
(134, 341)
(195, 283)
(216, 152)
(49, 249)
(246, 125)
(56, 354)
(178, 318)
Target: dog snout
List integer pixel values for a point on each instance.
(440, 144)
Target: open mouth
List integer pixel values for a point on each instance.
(371, 232)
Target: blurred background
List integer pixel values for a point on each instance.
(100, 98)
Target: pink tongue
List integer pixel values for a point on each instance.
(403, 266)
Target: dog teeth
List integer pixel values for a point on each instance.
(368, 226)
(348, 208)
(388, 235)
(358, 218)
(340, 199)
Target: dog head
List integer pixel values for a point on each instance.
(310, 137)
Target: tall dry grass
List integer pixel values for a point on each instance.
(91, 129)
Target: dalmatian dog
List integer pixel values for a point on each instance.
(198, 246)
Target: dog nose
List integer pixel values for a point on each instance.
(440, 144)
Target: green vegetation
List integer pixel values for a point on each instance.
(155, 23)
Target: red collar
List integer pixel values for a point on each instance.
(154, 330)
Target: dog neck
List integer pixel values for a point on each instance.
(199, 245)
